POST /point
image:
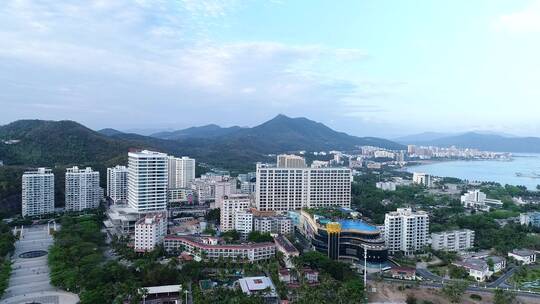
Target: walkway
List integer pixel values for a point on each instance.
(29, 281)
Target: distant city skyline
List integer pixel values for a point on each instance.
(368, 68)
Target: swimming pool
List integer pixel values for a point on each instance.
(356, 225)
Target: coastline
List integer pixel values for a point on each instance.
(515, 171)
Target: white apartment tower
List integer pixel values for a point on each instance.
(181, 171)
(231, 205)
(283, 189)
(290, 161)
(117, 180)
(406, 230)
(150, 232)
(37, 192)
(147, 181)
(82, 189)
(422, 179)
(453, 240)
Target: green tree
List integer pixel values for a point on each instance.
(503, 297)
(454, 290)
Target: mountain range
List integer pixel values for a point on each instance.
(487, 141)
(59, 143)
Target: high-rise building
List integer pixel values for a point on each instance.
(147, 181)
(117, 181)
(422, 179)
(37, 192)
(290, 161)
(231, 205)
(224, 188)
(181, 171)
(453, 240)
(406, 230)
(295, 188)
(150, 232)
(82, 189)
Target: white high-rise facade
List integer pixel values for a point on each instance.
(406, 230)
(82, 189)
(117, 180)
(231, 205)
(147, 181)
(181, 171)
(283, 189)
(37, 192)
(422, 179)
(290, 161)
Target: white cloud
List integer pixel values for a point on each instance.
(526, 20)
(143, 53)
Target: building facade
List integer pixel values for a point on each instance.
(181, 171)
(406, 230)
(344, 239)
(284, 189)
(150, 231)
(477, 200)
(273, 224)
(82, 189)
(147, 181)
(422, 179)
(453, 240)
(117, 184)
(290, 161)
(37, 192)
(212, 249)
(530, 219)
(232, 204)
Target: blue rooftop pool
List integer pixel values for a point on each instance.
(356, 225)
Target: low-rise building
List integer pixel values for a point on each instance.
(285, 246)
(273, 224)
(497, 263)
(311, 276)
(121, 219)
(530, 219)
(525, 256)
(261, 286)
(386, 186)
(150, 231)
(453, 240)
(212, 248)
(477, 200)
(477, 268)
(403, 273)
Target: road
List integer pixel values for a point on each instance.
(500, 282)
(502, 279)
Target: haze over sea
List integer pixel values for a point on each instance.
(503, 172)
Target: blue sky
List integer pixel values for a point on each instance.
(371, 67)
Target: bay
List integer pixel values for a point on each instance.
(523, 169)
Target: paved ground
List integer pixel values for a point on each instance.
(29, 282)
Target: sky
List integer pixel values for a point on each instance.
(367, 67)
